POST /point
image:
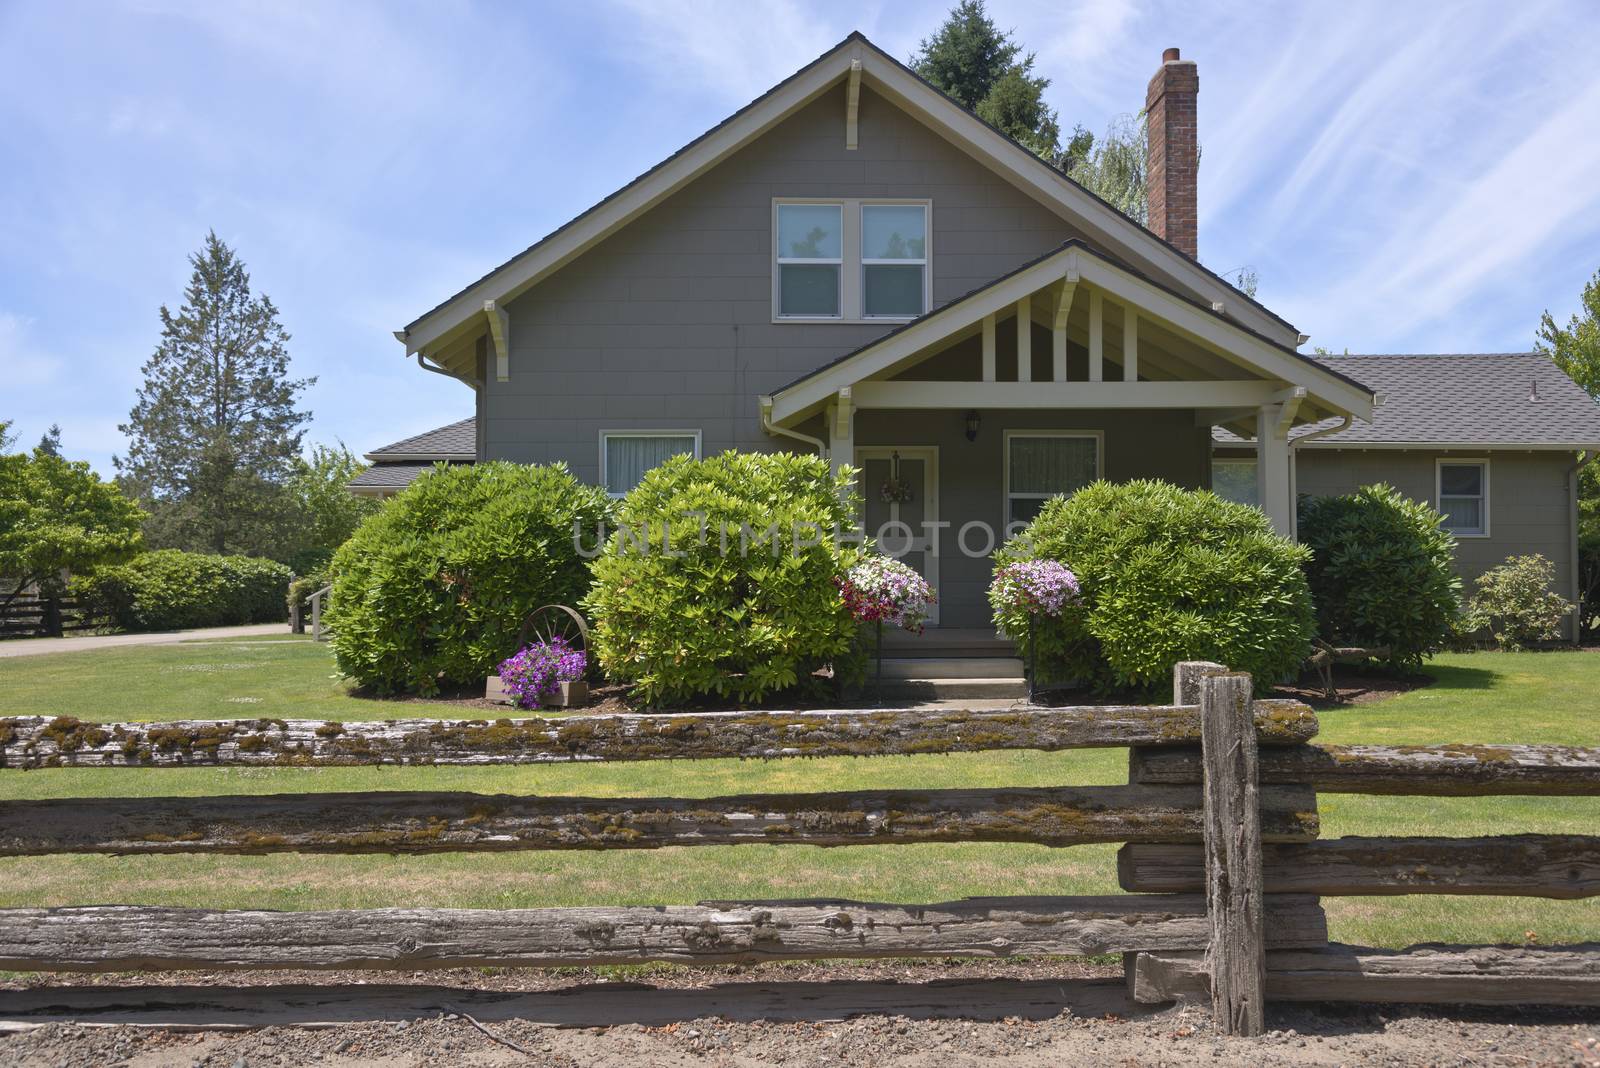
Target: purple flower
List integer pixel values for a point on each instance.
(537, 672)
(1033, 586)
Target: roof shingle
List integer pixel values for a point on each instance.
(1506, 399)
(458, 441)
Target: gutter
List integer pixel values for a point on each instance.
(767, 425)
(422, 363)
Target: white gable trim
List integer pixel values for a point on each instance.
(1102, 222)
(1205, 328)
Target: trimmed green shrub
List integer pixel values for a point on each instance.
(743, 600)
(1516, 603)
(1381, 573)
(433, 588)
(1166, 574)
(170, 589)
(301, 589)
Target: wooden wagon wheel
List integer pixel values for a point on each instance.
(554, 621)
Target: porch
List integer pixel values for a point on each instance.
(1073, 368)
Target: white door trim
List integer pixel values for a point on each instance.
(928, 540)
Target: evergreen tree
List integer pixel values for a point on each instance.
(7, 438)
(985, 71)
(50, 442)
(215, 434)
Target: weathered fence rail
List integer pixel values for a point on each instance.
(120, 938)
(39, 741)
(1218, 825)
(402, 822)
(1563, 866)
(1433, 770)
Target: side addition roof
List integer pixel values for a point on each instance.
(1503, 400)
(457, 441)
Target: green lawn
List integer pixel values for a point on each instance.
(1549, 697)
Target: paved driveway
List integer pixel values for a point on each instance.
(40, 646)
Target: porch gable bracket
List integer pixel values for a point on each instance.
(500, 337)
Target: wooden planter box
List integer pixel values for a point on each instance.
(572, 695)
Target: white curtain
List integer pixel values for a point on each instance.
(1052, 465)
(628, 457)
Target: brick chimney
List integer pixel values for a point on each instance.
(1173, 152)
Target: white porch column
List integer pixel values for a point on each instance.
(1273, 484)
(841, 419)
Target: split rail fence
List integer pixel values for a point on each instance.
(1218, 821)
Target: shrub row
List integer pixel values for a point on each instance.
(690, 595)
(169, 589)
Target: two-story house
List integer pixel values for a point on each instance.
(856, 265)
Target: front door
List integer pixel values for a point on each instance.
(899, 488)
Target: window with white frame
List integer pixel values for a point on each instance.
(626, 455)
(1234, 479)
(850, 260)
(1045, 464)
(894, 260)
(1464, 497)
(810, 260)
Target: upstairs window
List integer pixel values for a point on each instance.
(1464, 497)
(894, 260)
(850, 260)
(810, 260)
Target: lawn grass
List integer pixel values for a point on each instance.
(1527, 697)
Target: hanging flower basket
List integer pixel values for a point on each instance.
(883, 590)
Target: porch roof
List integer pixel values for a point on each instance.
(1254, 361)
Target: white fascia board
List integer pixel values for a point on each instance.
(623, 207)
(901, 394)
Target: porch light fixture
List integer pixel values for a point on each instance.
(972, 425)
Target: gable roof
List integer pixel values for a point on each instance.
(1074, 257)
(457, 441)
(903, 87)
(1499, 399)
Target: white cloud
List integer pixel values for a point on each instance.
(735, 49)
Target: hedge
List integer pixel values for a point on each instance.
(169, 589)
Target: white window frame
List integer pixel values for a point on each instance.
(852, 267)
(1099, 437)
(665, 432)
(1218, 461)
(1482, 462)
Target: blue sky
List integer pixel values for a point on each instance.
(1404, 177)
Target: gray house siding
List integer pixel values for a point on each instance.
(1530, 500)
(1138, 444)
(668, 323)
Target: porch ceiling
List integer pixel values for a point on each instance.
(1173, 354)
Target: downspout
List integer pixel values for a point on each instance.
(1574, 474)
(767, 425)
(1294, 464)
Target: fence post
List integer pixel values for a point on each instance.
(1237, 955)
(1186, 677)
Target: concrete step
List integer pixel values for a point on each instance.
(951, 667)
(952, 689)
